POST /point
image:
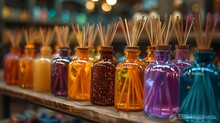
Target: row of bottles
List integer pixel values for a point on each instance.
(124, 89)
(157, 85)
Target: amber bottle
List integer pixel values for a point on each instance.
(103, 78)
(26, 67)
(42, 70)
(11, 66)
(129, 81)
(79, 76)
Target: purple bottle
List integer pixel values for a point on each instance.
(161, 85)
(60, 73)
(182, 57)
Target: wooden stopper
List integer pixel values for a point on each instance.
(203, 49)
(132, 48)
(163, 47)
(182, 47)
(107, 48)
(29, 46)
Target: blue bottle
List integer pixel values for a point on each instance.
(200, 90)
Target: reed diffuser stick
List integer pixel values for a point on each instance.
(46, 35)
(181, 34)
(203, 39)
(62, 33)
(85, 36)
(106, 35)
(15, 36)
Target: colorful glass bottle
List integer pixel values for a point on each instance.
(79, 77)
(11, 66)
(200, 89)
(26, 67)
(161, 85)
(150, 55)
(182, 57)
(103, 78)
(42, 70)
(129, 81)
(59, 73)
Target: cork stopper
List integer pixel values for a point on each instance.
(203, 49)
(82, 48)
(132, 48)
(46, 48)
(107, 48)
(163, 47)
(29, 46)
(182, 47)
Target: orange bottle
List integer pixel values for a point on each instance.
(129, 81)
(79, 76)
(26, 67)
(11, 66)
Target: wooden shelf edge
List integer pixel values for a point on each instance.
(76, 108)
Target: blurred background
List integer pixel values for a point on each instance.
(35, 13)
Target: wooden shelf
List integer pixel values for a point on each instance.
(76, 108)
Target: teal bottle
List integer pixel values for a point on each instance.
(200, 90)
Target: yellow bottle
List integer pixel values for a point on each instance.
(129, 82)
(42, 70)
(79, 77)
(26, 67)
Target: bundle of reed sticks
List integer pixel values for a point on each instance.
(87, 34)
(31, 35)
(181, 34)
(151, 30)
(106, 35)
(15, 36)
(46, 35)
(132, 34)
(62, 35)
(164, 32)
(204, 39)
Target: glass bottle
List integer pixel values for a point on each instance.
(103, 78)
(11, 66)
(150, 56)
(26, 67)
(79, 77)
(200, 89)
(182, 57)
(42, 70)
(161, 85)
(129, 81)
(59, 73)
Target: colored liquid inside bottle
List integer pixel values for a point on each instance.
(79, 76)
(103, 78)
(42, 71)
(161, 85)
(59, 72)
(129, 82)
(11, 66)
(200, 89)
(26, 67)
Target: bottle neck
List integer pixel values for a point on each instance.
(15, 50)
(106, 54)
(29, 50)
(46, 51)
(182, 54)
(64, 52)
(162, 55)
(150, 53)
(82, 53)
(132, 54)
(203, 57)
